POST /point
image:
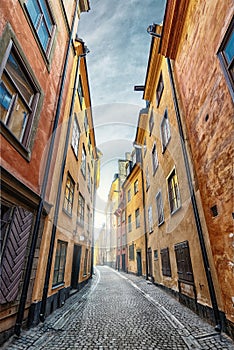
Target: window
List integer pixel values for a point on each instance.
(150, 219)
(85, 262)
(60, 262)
(165, 260)
(118, 220)
(226, 56)
(88, 220)
(124, 240)
(129, 195)
(89, 179)
(129, 223)
(75, 136)
(69, 195)
(151, 121)
(89, 143)
(145, 147)
(147, 178)
(137, 217)
(183, 261)
(135, 186)
(80, 92)
(159, 89)
(19, 97)
(131, 252)
(42, 21)
(83, 162)
(123, 216)
(154, 158)
(86, 125)
(173, 192)
(165, 131)
(159, 205)
(155, 255)
(80, 210)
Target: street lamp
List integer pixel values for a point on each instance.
(151, 30)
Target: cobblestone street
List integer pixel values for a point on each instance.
(121, 311)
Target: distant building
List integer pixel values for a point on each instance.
(111, 225)
(100, 248)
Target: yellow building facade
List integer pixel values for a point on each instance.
(67, 243)
(135, 218)
(197, 43)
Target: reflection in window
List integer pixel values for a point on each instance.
(42, 21)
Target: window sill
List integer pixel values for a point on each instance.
(151, 231)
(10, 137)
(58, 285)
(67, 213)
(161, 223)
(175, 211)
(81, 224)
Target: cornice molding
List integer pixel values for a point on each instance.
(174, 19)
(154, 62)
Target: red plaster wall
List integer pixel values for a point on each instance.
(31, 173)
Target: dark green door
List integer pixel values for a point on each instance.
(75, 266)
(139, 265)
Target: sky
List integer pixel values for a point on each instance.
(115, 33)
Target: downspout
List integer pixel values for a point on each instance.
(218, 326)
(57, 205)
(23, 298)
(138, 146)
(94, 206)
(145, 228)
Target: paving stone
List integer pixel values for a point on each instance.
(121, 312)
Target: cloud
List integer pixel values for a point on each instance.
(115, 32)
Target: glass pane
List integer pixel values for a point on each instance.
(46, 14)
(18, 119)
(43, 35)
(19, 78)
(5, 101)
(55, 279)
(34, 11)
(229, 48)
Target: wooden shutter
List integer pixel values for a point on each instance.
(183, 260)
(14, 254)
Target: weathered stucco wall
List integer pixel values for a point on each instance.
(208, 113)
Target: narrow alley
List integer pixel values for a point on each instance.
(121, 311)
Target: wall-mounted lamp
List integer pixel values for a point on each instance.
(151, 30)
(86, 51)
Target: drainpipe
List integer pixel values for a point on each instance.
(94, 206)
(57, 205)
(145, 228)
(23, 298)
(218, 326)
(144, 211)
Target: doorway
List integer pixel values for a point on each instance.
(139, 264)
(123, 263)
(75, 267)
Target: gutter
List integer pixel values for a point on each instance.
(23, 298)
(218, 326)
(59, 191)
